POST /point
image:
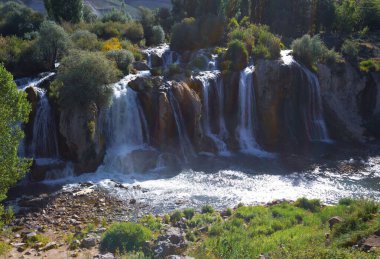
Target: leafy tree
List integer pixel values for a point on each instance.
(64, 10)
(17, 19)
(53, 42)
(14, 108)
(88, 15)
(84, 79)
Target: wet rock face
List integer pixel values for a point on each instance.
(346, 95)
(85, 146)
(33, 99)
(281, 92)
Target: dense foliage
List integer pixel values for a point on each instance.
(68, 10)
(125, 237)
(14, 109)
(83, 79)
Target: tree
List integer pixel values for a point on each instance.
(64, 10)
(158, 36)
(84, 79)
(14, 108)
(53, 41)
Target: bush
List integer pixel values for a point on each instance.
(310, 50)
(350, 49)
(112, 44)
(17, 19)
(115, 16)
(124, 237)
(85, 40)
(151, 222)
(123, 59)
(174, 69)
(369, 65)
(134, 32)
(312, 205)
(176, 216)
(189, 213)
(236, 56)
(193, 34)
(84, 79)
(207, 209)
(158, 35)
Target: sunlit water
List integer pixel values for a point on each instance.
(165, 191)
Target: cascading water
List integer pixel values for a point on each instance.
(45, 140)
(186, 147)
(314, 121)
(125, 127)
(205, 78)
(246, 126)
(315, 124)
(163, 51)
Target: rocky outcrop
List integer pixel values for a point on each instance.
(33, 98)
(86, 147)
(348, 98)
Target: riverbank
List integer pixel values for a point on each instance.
(70, 223)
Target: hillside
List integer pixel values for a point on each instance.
(102, 6)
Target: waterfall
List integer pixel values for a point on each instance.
(313, 116)
(125, 127)
(205, 78)
(45, 140)
(163, 51)
(247, 105)
(315, 124)
(186, 147)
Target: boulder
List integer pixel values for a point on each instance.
(140, 66)
(49, 246)
(334, 220)
(173, 242)
(88, 242)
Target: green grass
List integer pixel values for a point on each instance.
(290, 231)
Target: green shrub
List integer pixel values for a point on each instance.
(116, 16)
(176, 216)
(85, 40)
(174, 69)
(312, 205)
(158, 35)
(310, 50)
(346, 201)
(151, 222)
(369, 65)
(134, 32)
(85, 79)
(192, 34)
(350, 49)
(189, 213)
(200, 62)
(236, 55)
(124, 237)
(123, 59)
(207, 209)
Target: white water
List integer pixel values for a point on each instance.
(125, 128)
(186, 148)
(163, 51)
(313, 116)
(45, 140)
(247, 105)
(205, 78)
(314, 121)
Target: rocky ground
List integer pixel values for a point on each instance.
(47, 226)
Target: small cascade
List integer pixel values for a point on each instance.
(125, 127)
(45, 140)
(313, 116)
(314, 121)
(247, 103)
(205, 78)
(163, 51)
(26, 82)
(186, 147)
